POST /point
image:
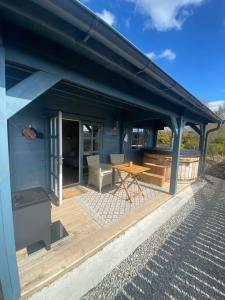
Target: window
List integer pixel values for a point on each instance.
(164, 138)
(139, 138)
(91, 139)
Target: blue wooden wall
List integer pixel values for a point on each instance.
(91, 112)
(29, 160)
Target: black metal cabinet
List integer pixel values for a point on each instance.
(32, 217)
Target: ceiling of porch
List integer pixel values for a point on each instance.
(71, 92)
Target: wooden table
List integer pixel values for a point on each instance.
(132, 173)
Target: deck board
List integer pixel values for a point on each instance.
(86, 238)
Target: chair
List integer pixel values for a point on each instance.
(117, 159)
(99, 174)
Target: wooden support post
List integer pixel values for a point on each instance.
(178, 126)
(201, 148)
(81, 156)
(155, 134)
(8, 265)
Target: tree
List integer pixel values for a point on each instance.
(164, 138)
(216, 144)
(190, 139)
(221, 111)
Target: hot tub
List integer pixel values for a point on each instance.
(188, 165)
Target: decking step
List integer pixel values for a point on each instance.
(152, 178)
(156, 169)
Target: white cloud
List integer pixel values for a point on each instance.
(107, 16)
(166, 14)
(214, 105)
(151, 55)
(166, 54)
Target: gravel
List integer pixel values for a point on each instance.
(184, 259)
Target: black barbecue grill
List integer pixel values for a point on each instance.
(32, 217)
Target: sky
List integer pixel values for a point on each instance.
(186, 38)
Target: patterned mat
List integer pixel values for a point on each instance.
(106, 208)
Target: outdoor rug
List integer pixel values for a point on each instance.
(106, 208)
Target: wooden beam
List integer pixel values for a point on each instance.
(29, 89)
(195, 128)
(176, 155)
(8, 266)
(37, 62)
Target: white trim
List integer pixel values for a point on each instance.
(60, 161)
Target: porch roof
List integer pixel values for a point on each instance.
(72, 25)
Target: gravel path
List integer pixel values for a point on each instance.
(184, 259)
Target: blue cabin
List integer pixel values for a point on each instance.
(71, 87)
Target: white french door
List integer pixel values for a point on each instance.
(56, 160)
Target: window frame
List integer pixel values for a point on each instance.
(92, 138)
(141, 138)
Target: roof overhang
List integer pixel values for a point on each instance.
(72, 25)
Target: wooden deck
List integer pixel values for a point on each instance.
(85, 238)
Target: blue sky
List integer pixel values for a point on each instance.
(186, 38)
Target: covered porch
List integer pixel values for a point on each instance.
(85, 220)
(116, 105)
(82, 233)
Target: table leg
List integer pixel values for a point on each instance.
(121, 182)
(125, 186)
(133, 179)
(140, 189)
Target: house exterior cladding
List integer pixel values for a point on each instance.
(57, 56)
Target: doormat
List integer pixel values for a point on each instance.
(58, 232)
(74, 191)
(106, 208)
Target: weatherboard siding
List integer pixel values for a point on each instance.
(29, 160)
